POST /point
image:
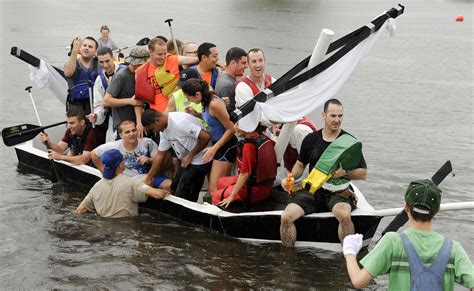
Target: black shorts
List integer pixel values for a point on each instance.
(228, 152)
(322, 201)
(187, 183)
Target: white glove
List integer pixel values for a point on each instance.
(352, 244)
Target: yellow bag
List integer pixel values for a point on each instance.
(166, 80)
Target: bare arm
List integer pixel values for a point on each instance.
(182, 60)
(70, 66)
(96, 160)
(203, 140)
(155, 166)
(241, 182)
(82, 159)
(138, 114)
(297, 169)
(111, 101)
(171, 105)
(156, 193)
(359, 277)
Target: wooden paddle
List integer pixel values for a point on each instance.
(24, 132)
(402, 217)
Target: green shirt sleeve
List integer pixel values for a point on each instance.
(379, 260)
(463, 268)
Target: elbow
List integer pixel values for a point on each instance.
(107, 100)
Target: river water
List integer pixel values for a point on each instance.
(410, 102)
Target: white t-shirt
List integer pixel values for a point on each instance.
(182, 134)
(244, 93)
(146, 147)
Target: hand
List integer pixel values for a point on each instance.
(134, 102)
(287, 184)
(76, 45)
(276, 130)
(340, 172)
(226, 100)
(226, 202)
(52, 155)
(143, 160)
(186, 161)
(352, 244)
(92, 117)
(191, 111)
(44, 138)
(140, 130)
(209, 154)
(160, 194)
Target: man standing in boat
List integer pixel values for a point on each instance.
(256, 81)
(80, 71)
(418, 258)
(235, 65)
(117, 195)
(79, 139)
(188, 138)
(302, 202)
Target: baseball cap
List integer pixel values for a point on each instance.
(185, 75)
(111, 159)
(423, 193)
(138, 56)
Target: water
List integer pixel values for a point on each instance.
(409, 101)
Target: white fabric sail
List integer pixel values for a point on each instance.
(308, 96)
(47, 76)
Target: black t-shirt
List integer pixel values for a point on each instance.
(313, 146)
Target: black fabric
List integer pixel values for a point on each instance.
(188, 182)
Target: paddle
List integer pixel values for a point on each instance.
(24, 132)
(172, 35)
(143, 41)
(402, 217)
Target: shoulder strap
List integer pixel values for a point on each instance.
(251, 84)
(439, 264)
(415, 263)
(215, 73)
(268, 81)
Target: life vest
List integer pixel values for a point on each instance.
(79, 91)
(76, 145)
(103, 78)
(291, 154)
(214, 75)
(265, 171)
(344, 150)
(253, 86)
(154, 87)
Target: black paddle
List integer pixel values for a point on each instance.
(143, 41)
(402, 217)
(24, 132)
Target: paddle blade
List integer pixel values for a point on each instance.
(19, 133)
(143, 41)
(402, 217)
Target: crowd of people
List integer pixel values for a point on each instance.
(169, 108)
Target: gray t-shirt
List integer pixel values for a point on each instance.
(117, 197)
(122, 86)
(225, 87)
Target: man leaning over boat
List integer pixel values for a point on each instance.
(339, 202)
(117, 195)
(80, 138)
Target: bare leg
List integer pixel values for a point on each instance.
(342, 212)
(219, 169)
(287, 226)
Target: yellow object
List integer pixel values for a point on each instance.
(315, 180)
(166, 80)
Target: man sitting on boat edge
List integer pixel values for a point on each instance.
(80, 138)
(303, 202)
(117, 195)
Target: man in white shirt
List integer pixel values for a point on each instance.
(188, 138)
(256, 81)
(138, 152)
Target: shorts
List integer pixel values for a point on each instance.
(228, 152)
(322, 201)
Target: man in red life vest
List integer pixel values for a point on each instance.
(256, 81)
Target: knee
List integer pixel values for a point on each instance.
(344, 217)
(286, 218)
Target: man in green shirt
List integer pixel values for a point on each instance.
(422, 202)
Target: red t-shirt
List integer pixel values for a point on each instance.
(88, 142)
